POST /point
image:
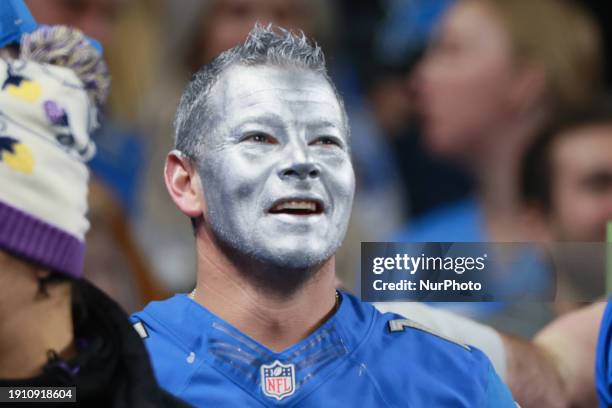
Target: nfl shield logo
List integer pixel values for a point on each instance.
(278, 379)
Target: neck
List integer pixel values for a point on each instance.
(498, 176)
(31, 324)
(276, 320)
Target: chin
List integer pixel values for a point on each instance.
(446, 150)
(298, 258)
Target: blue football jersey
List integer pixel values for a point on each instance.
(603, 362)
(358, 358)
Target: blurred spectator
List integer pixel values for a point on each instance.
(566, 177)
(399, 43)
(127, 31)
(494, 74)
(57, 330)
(566, 181)
(384, 40)
(113, 260)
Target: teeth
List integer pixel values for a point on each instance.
(296, 205)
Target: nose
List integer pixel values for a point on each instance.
(300, 171)
(299, 167)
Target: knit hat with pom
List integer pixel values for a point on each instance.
(49, 99)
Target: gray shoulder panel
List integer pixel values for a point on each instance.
(398, 325)
(141, 329)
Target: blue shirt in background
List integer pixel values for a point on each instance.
(464, 221)
(603, 362)
(461, 221)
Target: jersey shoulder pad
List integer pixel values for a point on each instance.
(400, 325)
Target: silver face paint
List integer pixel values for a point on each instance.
(275, 167)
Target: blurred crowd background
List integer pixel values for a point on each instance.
(445, 99)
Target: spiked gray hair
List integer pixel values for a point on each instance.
(264, 46)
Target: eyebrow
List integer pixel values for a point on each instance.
(325, 123)
(598, 176)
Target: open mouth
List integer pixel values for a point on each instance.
(297, 207)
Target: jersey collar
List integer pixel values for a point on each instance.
(240, 358)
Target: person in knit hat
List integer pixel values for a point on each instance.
(55, 328)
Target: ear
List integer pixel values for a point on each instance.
(184, 185)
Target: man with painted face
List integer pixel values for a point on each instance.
(262, 167)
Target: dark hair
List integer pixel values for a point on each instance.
(536, 175)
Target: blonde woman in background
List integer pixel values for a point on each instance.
(494, 74)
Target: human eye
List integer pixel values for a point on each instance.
(327, 141)
(259, 137)
(599, 183)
